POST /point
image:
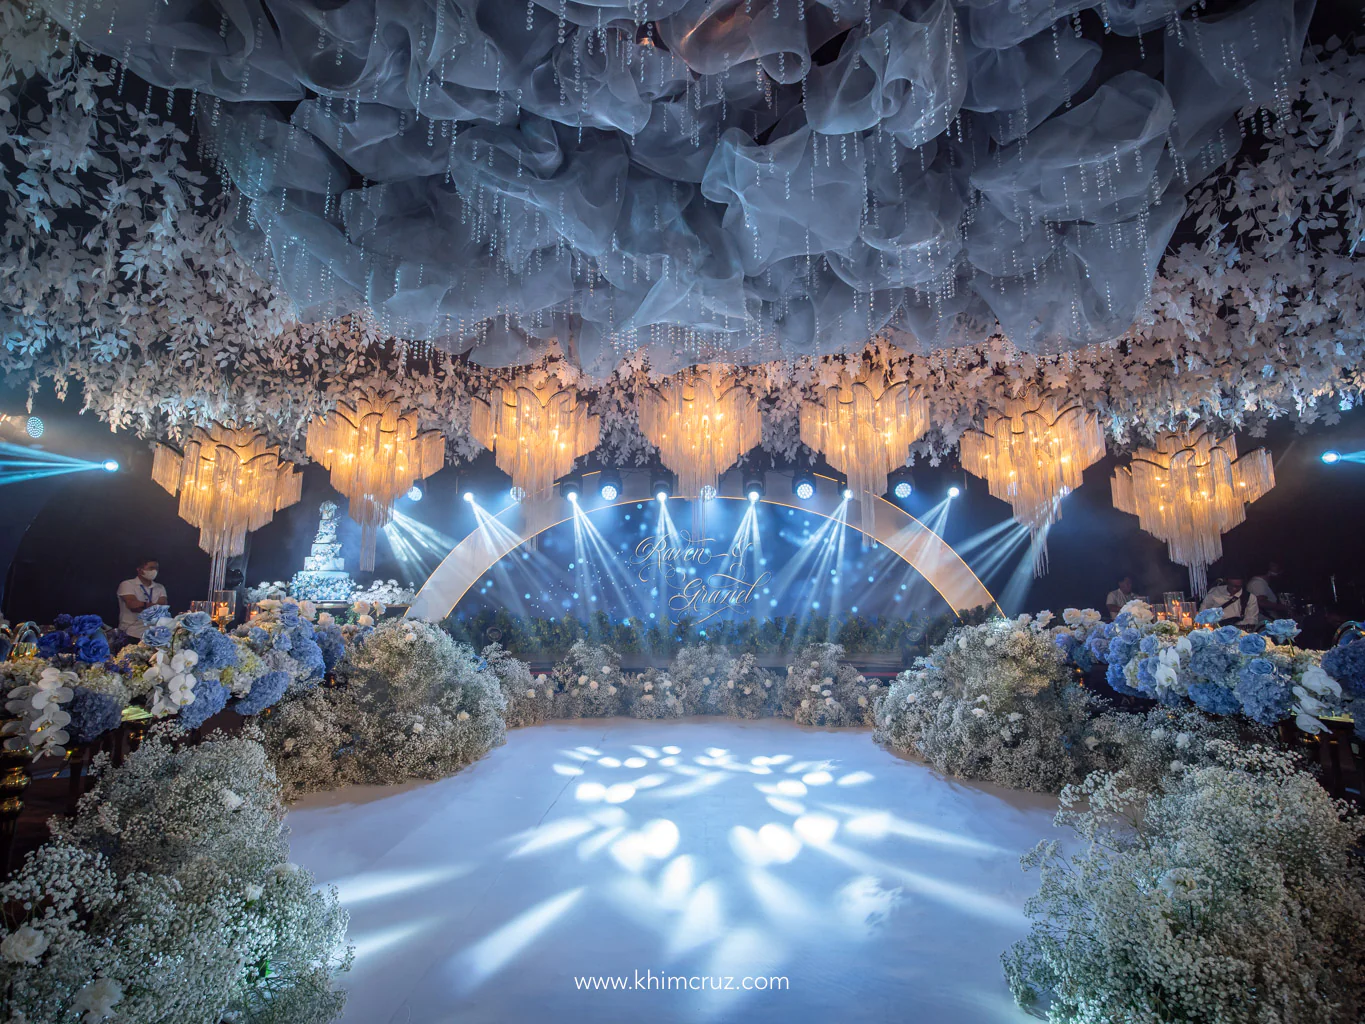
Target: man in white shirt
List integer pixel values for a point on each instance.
(1238, 604)
(1119, 596)
(137, 594)
(1263, 586)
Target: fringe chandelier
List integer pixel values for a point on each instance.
(535, 432)
(701, 425)
(1189, 491)
(375, 453)
(865, 426)
(231, 481)
(1032, 453)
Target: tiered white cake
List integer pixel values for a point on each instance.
(324, 576)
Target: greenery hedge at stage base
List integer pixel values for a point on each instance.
(540, 640)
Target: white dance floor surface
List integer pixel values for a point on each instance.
(838, 882)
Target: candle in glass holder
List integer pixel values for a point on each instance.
(224, 606)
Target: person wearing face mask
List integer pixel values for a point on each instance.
(138, 593)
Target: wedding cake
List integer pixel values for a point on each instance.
(324, 576)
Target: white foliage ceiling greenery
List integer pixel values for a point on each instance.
(122, 270)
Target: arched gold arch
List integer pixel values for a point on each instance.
(894, 528)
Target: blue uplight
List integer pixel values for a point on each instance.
(1331, 457)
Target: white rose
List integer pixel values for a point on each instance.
(231, 800)
(24, 945)
(648, 696)
(805, 702)
(829, 701)
(814, 664)
(706, 681)
(418, 728)
(364, 620)
(814, 687)
(825, 693)
(288, 744)
(610, 690)
(253, 893)
(98, 999)
(530, 693)
(463, 716)
(1182, 741)
(747, 691)
(359, 607)
(649, 685)
(979, 712)
(767, 683)
(730, 685)
(862, 702)
(606, 670)
(1091, 742)
(285, 869)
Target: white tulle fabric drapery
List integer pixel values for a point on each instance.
(711, 179)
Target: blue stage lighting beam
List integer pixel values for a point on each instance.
(18, 464)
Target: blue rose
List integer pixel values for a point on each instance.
(265, 691)
(282, 641)
(1123, 620)
(1227, 634)
(258, 637)
(1282, 630)
(1200, 639)
(1251, 644)
(331, 644)
(196, 622)
(153, 614)
(157, 636)
(93, 649)
(1215, 663)
(210, 697)
(92, 714)
(1149, 644)
(1209, 616)
(62, 621)
(86, 625)
(52, 644)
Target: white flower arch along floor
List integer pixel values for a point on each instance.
(845, 883)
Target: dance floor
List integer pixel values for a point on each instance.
(797, 874)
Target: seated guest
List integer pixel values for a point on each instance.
(1238, 604)
(1119, 596)
(1263, 585)
(137, 594)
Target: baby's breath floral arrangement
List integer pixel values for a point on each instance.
(412, 704)
(745, 690)
(654, 693)
(1235, 895)
(170, 898)
(529, 699)
(997, 702)
(822, 689)
(588, 683)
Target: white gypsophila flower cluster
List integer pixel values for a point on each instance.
(996, 702)
(587, 682)
(40, 725)
(747, 690)
(172, 681)
(654, 693)
(412, 704)
(385, 592)
(529, 700)
(699, 673)
(1234, 895)
(174, 858)
(821, 689)
(267, 591)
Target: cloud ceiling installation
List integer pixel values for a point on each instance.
(737, 179)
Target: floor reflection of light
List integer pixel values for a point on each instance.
(552, 834)
(816, 829)
(635, 762)
(786, 806)
(877, 824)
(655, 841)
(489, 955)
(567, 769)
(855, 778)
(367, 944)
(590, 792)
(619, 793)
(379, 884)
(701, 920)
(817, 778)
